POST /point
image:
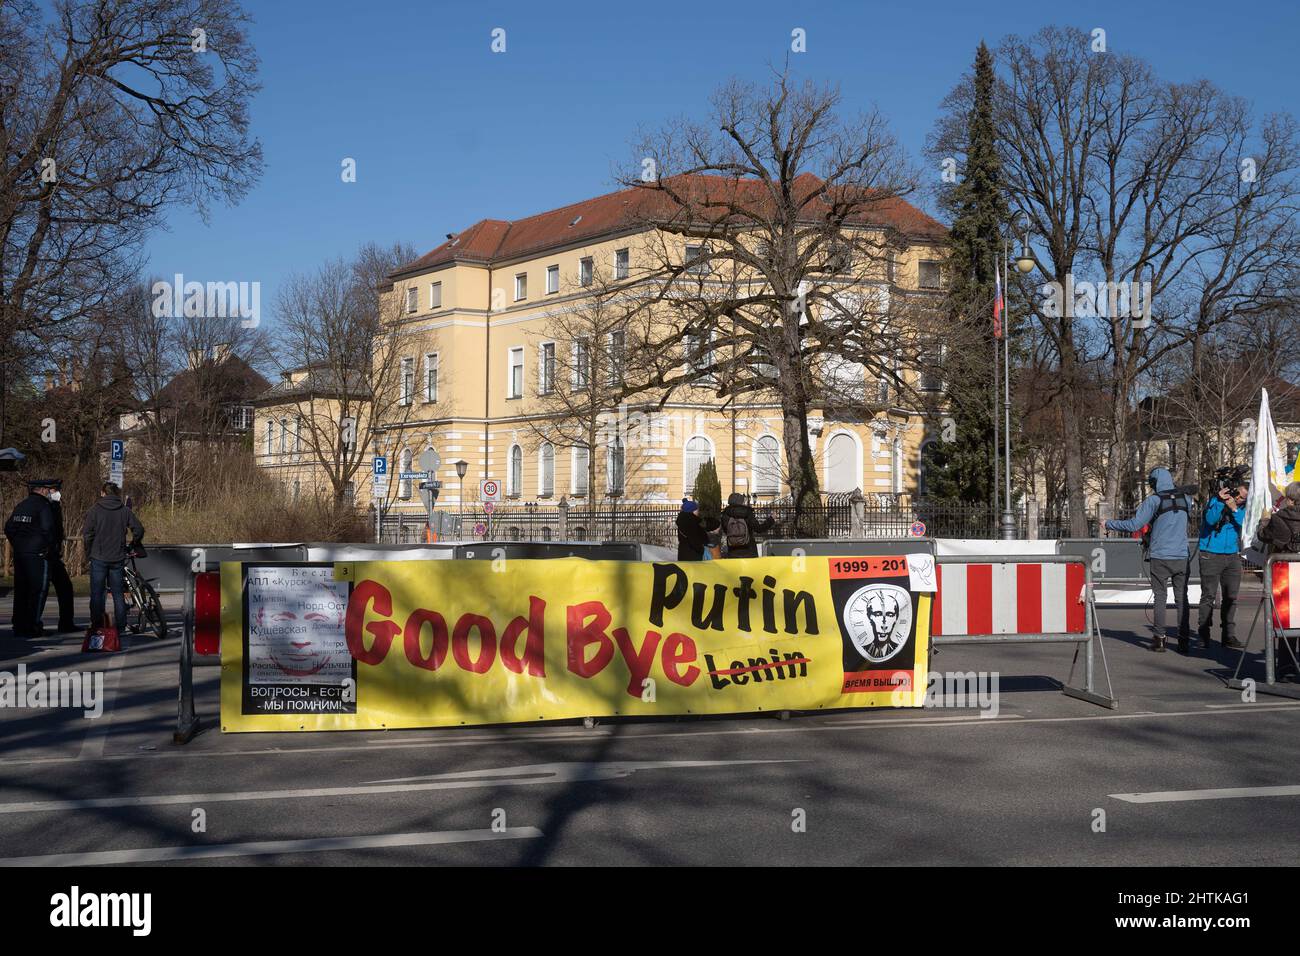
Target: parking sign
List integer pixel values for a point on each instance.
(381, 466)
(118, 450)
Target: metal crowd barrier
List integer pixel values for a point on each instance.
(1282, 598)
(1022, 600)
(1118, 562)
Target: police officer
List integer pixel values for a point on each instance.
(57, 570)
(30, 530)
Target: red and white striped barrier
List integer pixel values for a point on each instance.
(1010, 598)
(1034, 599)
(1286, 594)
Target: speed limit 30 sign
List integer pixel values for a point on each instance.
(489, 489)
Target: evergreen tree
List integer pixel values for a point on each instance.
(960, 461)
(708, 490)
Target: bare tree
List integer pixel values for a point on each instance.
(339, 339)
(1124, 178)
(772, 232)
(110, 111)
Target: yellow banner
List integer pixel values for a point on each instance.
(389, 644)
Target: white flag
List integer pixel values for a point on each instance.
(1267, 473)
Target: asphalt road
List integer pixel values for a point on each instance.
(1027, 786)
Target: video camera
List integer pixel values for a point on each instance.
(1229, 478)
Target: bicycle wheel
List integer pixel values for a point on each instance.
(134, 603)
(152, 610)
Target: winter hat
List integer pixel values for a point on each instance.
(689, 506)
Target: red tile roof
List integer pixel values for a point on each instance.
(494, 240)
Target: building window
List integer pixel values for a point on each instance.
(270, 438)
(767, 466)
(614, 466)
(697, 452)
(408, 380)
(581, 465)
(581, 363)
(435, 295)
(697, 258)
(841, 463)
(621, 263)
(585, 270)
(412, 299)
(284, 435)
(546, 369)
(404, 484)
(699, 356)
(896, 469)
(616, 342)
(930, 377)
(552, 279)
(929, 274)
(546, 470)
(297, 433)
(515, 474)
(521, 286)
(431, 376)
(516, 378)
(350, 492)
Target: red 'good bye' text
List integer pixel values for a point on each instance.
(520, 647)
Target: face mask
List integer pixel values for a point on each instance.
(56, 496)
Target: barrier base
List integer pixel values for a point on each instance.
(1101, 700)
(185, 732)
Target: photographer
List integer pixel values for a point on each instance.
(1220, 556)
(1165, 510)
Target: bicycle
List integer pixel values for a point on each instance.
(144, 599)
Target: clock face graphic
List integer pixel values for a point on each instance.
(878, 618)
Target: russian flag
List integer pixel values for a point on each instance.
(998, 305)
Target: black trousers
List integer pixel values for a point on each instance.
(29, 585)
(57, 576)
(1219, 572)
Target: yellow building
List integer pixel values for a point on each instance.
(481, 363)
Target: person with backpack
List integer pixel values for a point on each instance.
(740, 527)
(1166, 511)
(104, 532)
(692, 538)
(1220, 556)
(1281, 530)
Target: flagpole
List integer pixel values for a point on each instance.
(1008, 516)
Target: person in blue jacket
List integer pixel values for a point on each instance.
(1166, 511)
(1221, 563)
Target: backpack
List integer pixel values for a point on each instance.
(1172, 500)
(736, 531)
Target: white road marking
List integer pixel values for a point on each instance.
(502, 778)
(565, 772)
(93, 745)
(1223, 793)
(799, 726)
(164, 854)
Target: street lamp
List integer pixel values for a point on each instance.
(461, 467)
(1024, 265)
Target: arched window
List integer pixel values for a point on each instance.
(546, 470)
(581, 463)
(767, 466)
(284, 435)
(841, 463)
(698, 451)
(614, 466)
(404, 484)
(515, 474)
(270, 437)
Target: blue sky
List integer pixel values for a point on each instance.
(444, 132)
